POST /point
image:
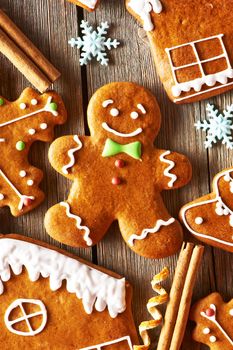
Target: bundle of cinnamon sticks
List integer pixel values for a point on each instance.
(178, 307)
(25, 56)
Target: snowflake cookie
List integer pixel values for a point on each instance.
(218, 127)
(52, 298)
(94, 43)
(210, 218)
(214, 320)
(30, 118)
(118, 174)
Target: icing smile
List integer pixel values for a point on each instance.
(132, 134)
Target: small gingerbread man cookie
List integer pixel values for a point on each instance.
(210, 218)
(118, 175)
(89, 5)
(214, 320)
(30, 118)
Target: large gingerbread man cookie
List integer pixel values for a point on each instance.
(210, 218)
(30, 118)
(214, 320)
(118, 174)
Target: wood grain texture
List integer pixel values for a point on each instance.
(50, 24)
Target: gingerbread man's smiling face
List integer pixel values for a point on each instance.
(124, 112)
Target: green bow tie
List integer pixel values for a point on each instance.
(113, 148)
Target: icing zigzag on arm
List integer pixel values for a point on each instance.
(171, 165)
(71, 155)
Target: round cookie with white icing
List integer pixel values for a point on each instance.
(52, 298)
(30, 118)
(214, 320)
(118, 174)
(210, 218)
(89, 5)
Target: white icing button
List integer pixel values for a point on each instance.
(231, 312)
(34, 102)
(30, 182)
(213, 339)
(206, 331)
(134, 115)
(1, 196)
(22, 105)
(22, 173)
(43, 126)
(31, 131)
(199, 220)
(114, 112)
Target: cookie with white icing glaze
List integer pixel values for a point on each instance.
(118, 174)
(193, 55)
(214, 320)
(52, 300)
(89, 5)
(30, 118)
(210, 218)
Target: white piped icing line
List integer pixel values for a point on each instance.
(26, 317)
(221, 209)
(171, 165)
(143, 9)
(117, 133)
(46, 108)
(21, 196)
(71, 155)
(146, 231)
(93, 287)
(141, 108)
(106, 103)
(213, 319)
(210, 80)
(116, 341)
(78, 220)
(89, 3)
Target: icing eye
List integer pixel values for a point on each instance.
(134, 115)
(114, 112)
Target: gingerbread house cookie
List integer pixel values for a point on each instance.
(52, 300)
(210, 218)
(118, 174)
(214, 320)
(30, 118)
(89, 5)
(192, 52)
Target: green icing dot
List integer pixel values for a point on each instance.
(1, 102)
(53, 106)
(20, 145)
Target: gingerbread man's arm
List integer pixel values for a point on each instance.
(172, 170)
(66, 152)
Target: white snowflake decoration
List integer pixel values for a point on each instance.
(94, 43)
(218, 127)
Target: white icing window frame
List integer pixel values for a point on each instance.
(199, 63)
(100, 346)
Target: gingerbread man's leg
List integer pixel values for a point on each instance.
(150, 231)
(81, 221)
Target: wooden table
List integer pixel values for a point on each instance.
(50, 24)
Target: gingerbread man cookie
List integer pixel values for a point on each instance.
(52, 300)
(214, 320)
(89, 5)
(193, 55)
(210, 218)
(118, 175)
(30, 118)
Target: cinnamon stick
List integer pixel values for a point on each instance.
(177, 311)
(25, 56)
